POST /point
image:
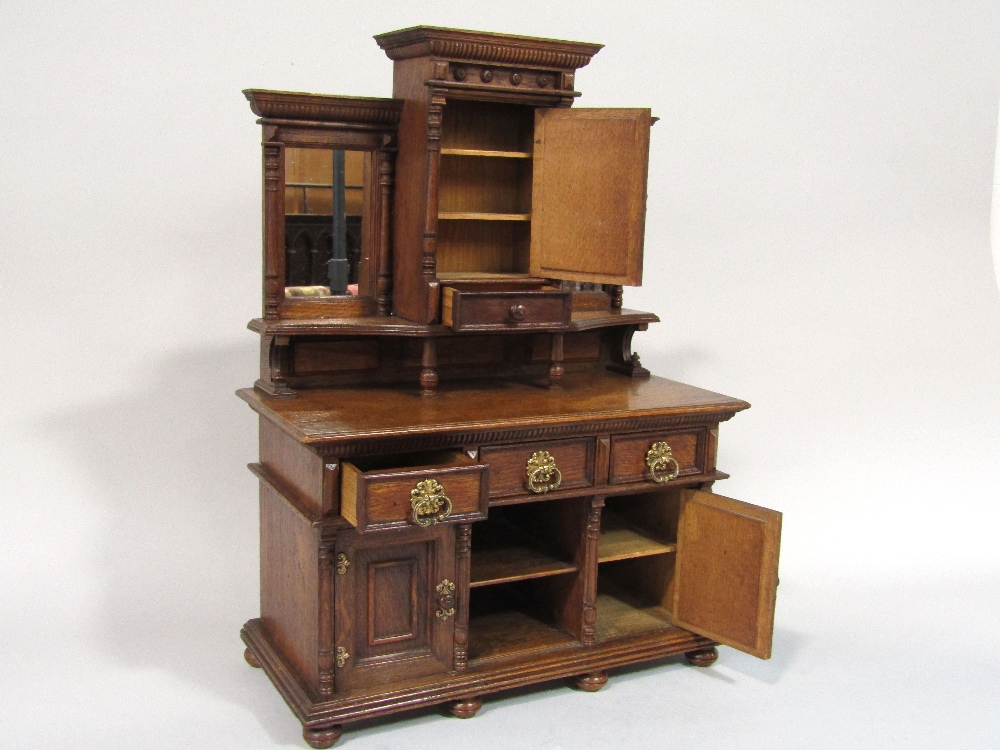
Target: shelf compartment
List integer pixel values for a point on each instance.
(509, 621)
(621, 540)
(486, 153)
(477, 216)
(487, 126)
(622, 614)
(483, 247)
(502, 553)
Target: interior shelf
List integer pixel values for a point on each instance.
(502, 553)
(621, 614)
(505, 622)
(485, 152)
(620, 540)
(481, 216)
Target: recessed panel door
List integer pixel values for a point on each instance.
(588, 197)
(727, 571)
(395, 606)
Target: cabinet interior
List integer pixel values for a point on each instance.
(636, 557)
(484, 190)
(525, 578)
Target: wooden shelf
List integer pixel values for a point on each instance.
(502, 553)
(621, 614)
(621, 541)
(503, 623)
(485, 152)
(481, 216)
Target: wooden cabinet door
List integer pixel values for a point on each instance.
(588, 194)
(727, 571)
(395, 606)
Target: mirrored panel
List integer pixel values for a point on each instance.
(324, 215)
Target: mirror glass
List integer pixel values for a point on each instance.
(324, 208)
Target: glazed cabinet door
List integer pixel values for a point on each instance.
(395, 606)
(588, 196)
(727, 571)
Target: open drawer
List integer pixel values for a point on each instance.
(491, 307)
(417, 489)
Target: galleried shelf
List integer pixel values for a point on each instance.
(468, 481)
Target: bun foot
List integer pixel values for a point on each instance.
(251, 659)
(592, 682)
(703, 657)
(323, 737)
(465, 708)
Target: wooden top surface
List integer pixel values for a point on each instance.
(365, 412)
(582, 320)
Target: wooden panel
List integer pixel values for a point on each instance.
(589, 194)
(508, 464)
(471, 310)
(577, 347)
(375, 493)
(296, 465)
(628, 454)
(289, 583)
(386, 604)
(727, 571)
(311, 357)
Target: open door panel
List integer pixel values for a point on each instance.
(588, 196)
(727, 571)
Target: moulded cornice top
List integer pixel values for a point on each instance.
(291, 105)
(481, 46)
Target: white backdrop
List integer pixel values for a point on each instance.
(817, 243)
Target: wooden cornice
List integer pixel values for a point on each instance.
(478, 46)
(290, 105)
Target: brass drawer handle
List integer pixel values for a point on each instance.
(430, 504)
(517, 313)
(542, 473)
(445, 599)
(658, 457)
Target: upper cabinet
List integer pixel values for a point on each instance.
(503, 191)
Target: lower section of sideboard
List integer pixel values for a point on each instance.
(322, 719)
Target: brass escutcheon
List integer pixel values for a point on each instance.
(658, 457)
(446, 599)
(429, 503)
(542, 472)
(342, 657)
(342, 564)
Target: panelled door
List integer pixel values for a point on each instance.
(588, 194)
(395, 606)
(727, 571)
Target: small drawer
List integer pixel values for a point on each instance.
(537, 468)
(414, 490)
(504, 309)
(657, 456)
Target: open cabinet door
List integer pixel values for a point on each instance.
(727, 571)
(588, 194)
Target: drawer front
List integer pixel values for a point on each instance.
(466, 310)
(645, 458)
(523, 469)
(413, 496)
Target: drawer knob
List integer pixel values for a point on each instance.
(445, 599)
(542, 472)
(517, 312)
(658, 458)
(429, 503)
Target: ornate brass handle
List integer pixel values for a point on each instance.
(542, 473)
(658, 457)
(445, 600)
(429, 503)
